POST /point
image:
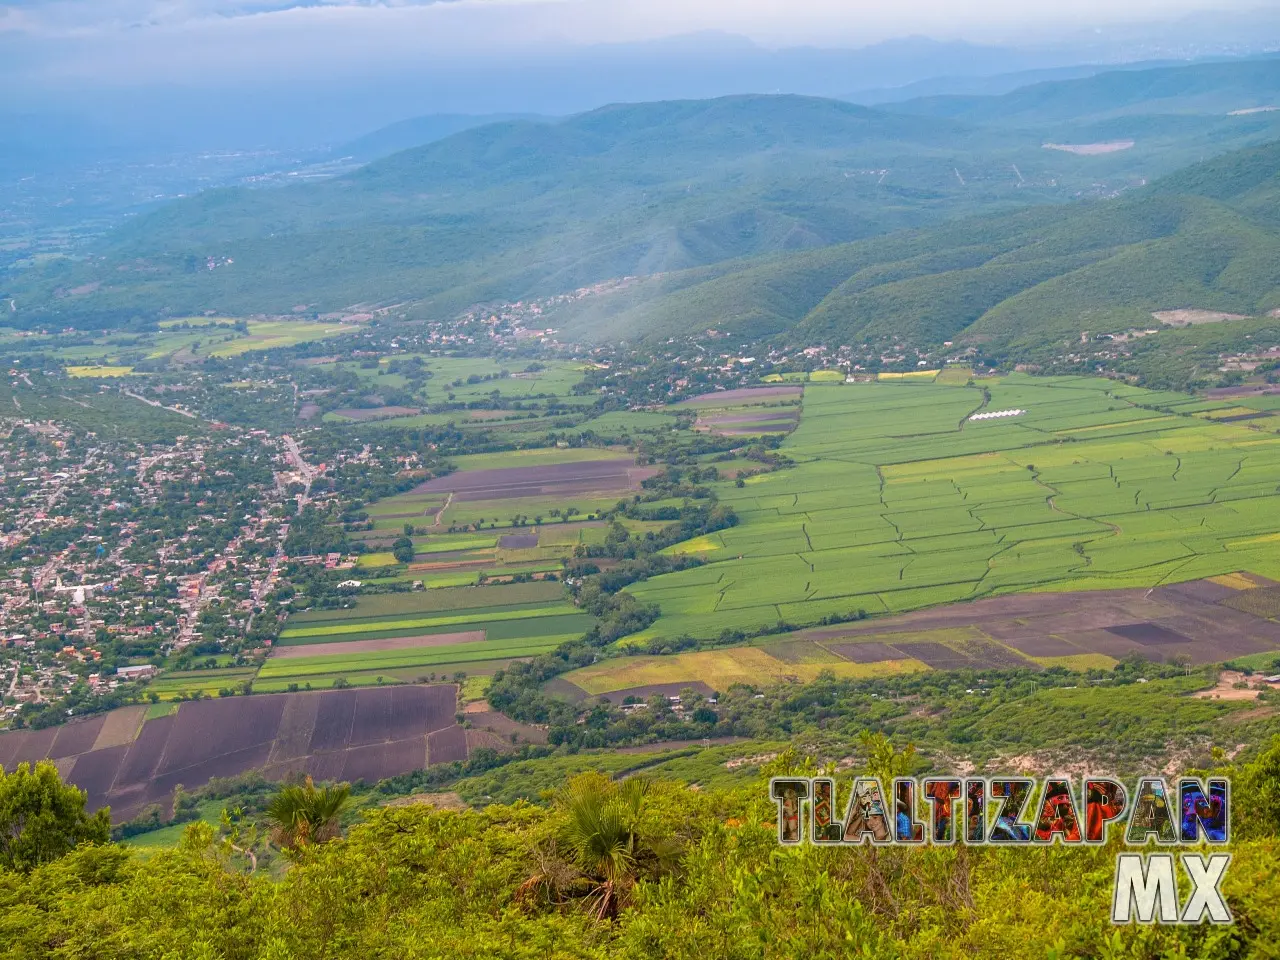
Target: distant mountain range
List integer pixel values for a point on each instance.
(745, 207)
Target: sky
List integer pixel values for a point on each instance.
(199, 41)
(205, 73)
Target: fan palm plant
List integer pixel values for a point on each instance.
(302, 813)
(604, 839)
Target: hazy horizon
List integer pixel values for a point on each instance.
(201, 74)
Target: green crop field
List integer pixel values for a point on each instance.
(899, 501)
(459, 598)
(409, 657)
(321, 630)
(268, 334)
(170, 685)
(538, 457)
(516, 620)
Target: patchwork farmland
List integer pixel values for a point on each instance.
(515, 488)
(129, 761)
(1196, 622)
(421, 636)
(747, 412)
(899, 501)
(1144, 522)
(471, 393)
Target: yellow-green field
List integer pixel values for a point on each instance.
(720, 669)
(269, 334)
(100, 370)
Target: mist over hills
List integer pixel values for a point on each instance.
(1207, 238)
(308, 108)
(508, 208)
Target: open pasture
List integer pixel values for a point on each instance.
(898, 501)
(365, 734)
(464, 378)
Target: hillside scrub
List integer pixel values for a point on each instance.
(524, 881)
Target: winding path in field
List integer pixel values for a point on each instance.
(440, 514)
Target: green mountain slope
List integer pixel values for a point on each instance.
(1206, 238)
(710, 201)
(519, 209)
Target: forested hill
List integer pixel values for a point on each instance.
(523, 208)
(1206, 88)
(1206, 238)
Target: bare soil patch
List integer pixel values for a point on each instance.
(869, 652)
(1205, 621)
(1225, 688)
(763, 416)
(937, 656)
(743, 395)
(562, 479)
(447, 745)
(503, 726)
(440, 801)
(1148, 634)
(370, 734)
(1091, 149)
(1185, 318)
(1045, 646)
(77, 737)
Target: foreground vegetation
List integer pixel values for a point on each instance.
(640, 869)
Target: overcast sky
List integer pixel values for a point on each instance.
(127, 41)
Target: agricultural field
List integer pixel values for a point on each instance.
(98, 370)
(750, 411)
(899, 501)
(128, 760)
(1235, 617)
(112, 354)
(471, 392)
(515, 488)
(183, 684)
(421, 636)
